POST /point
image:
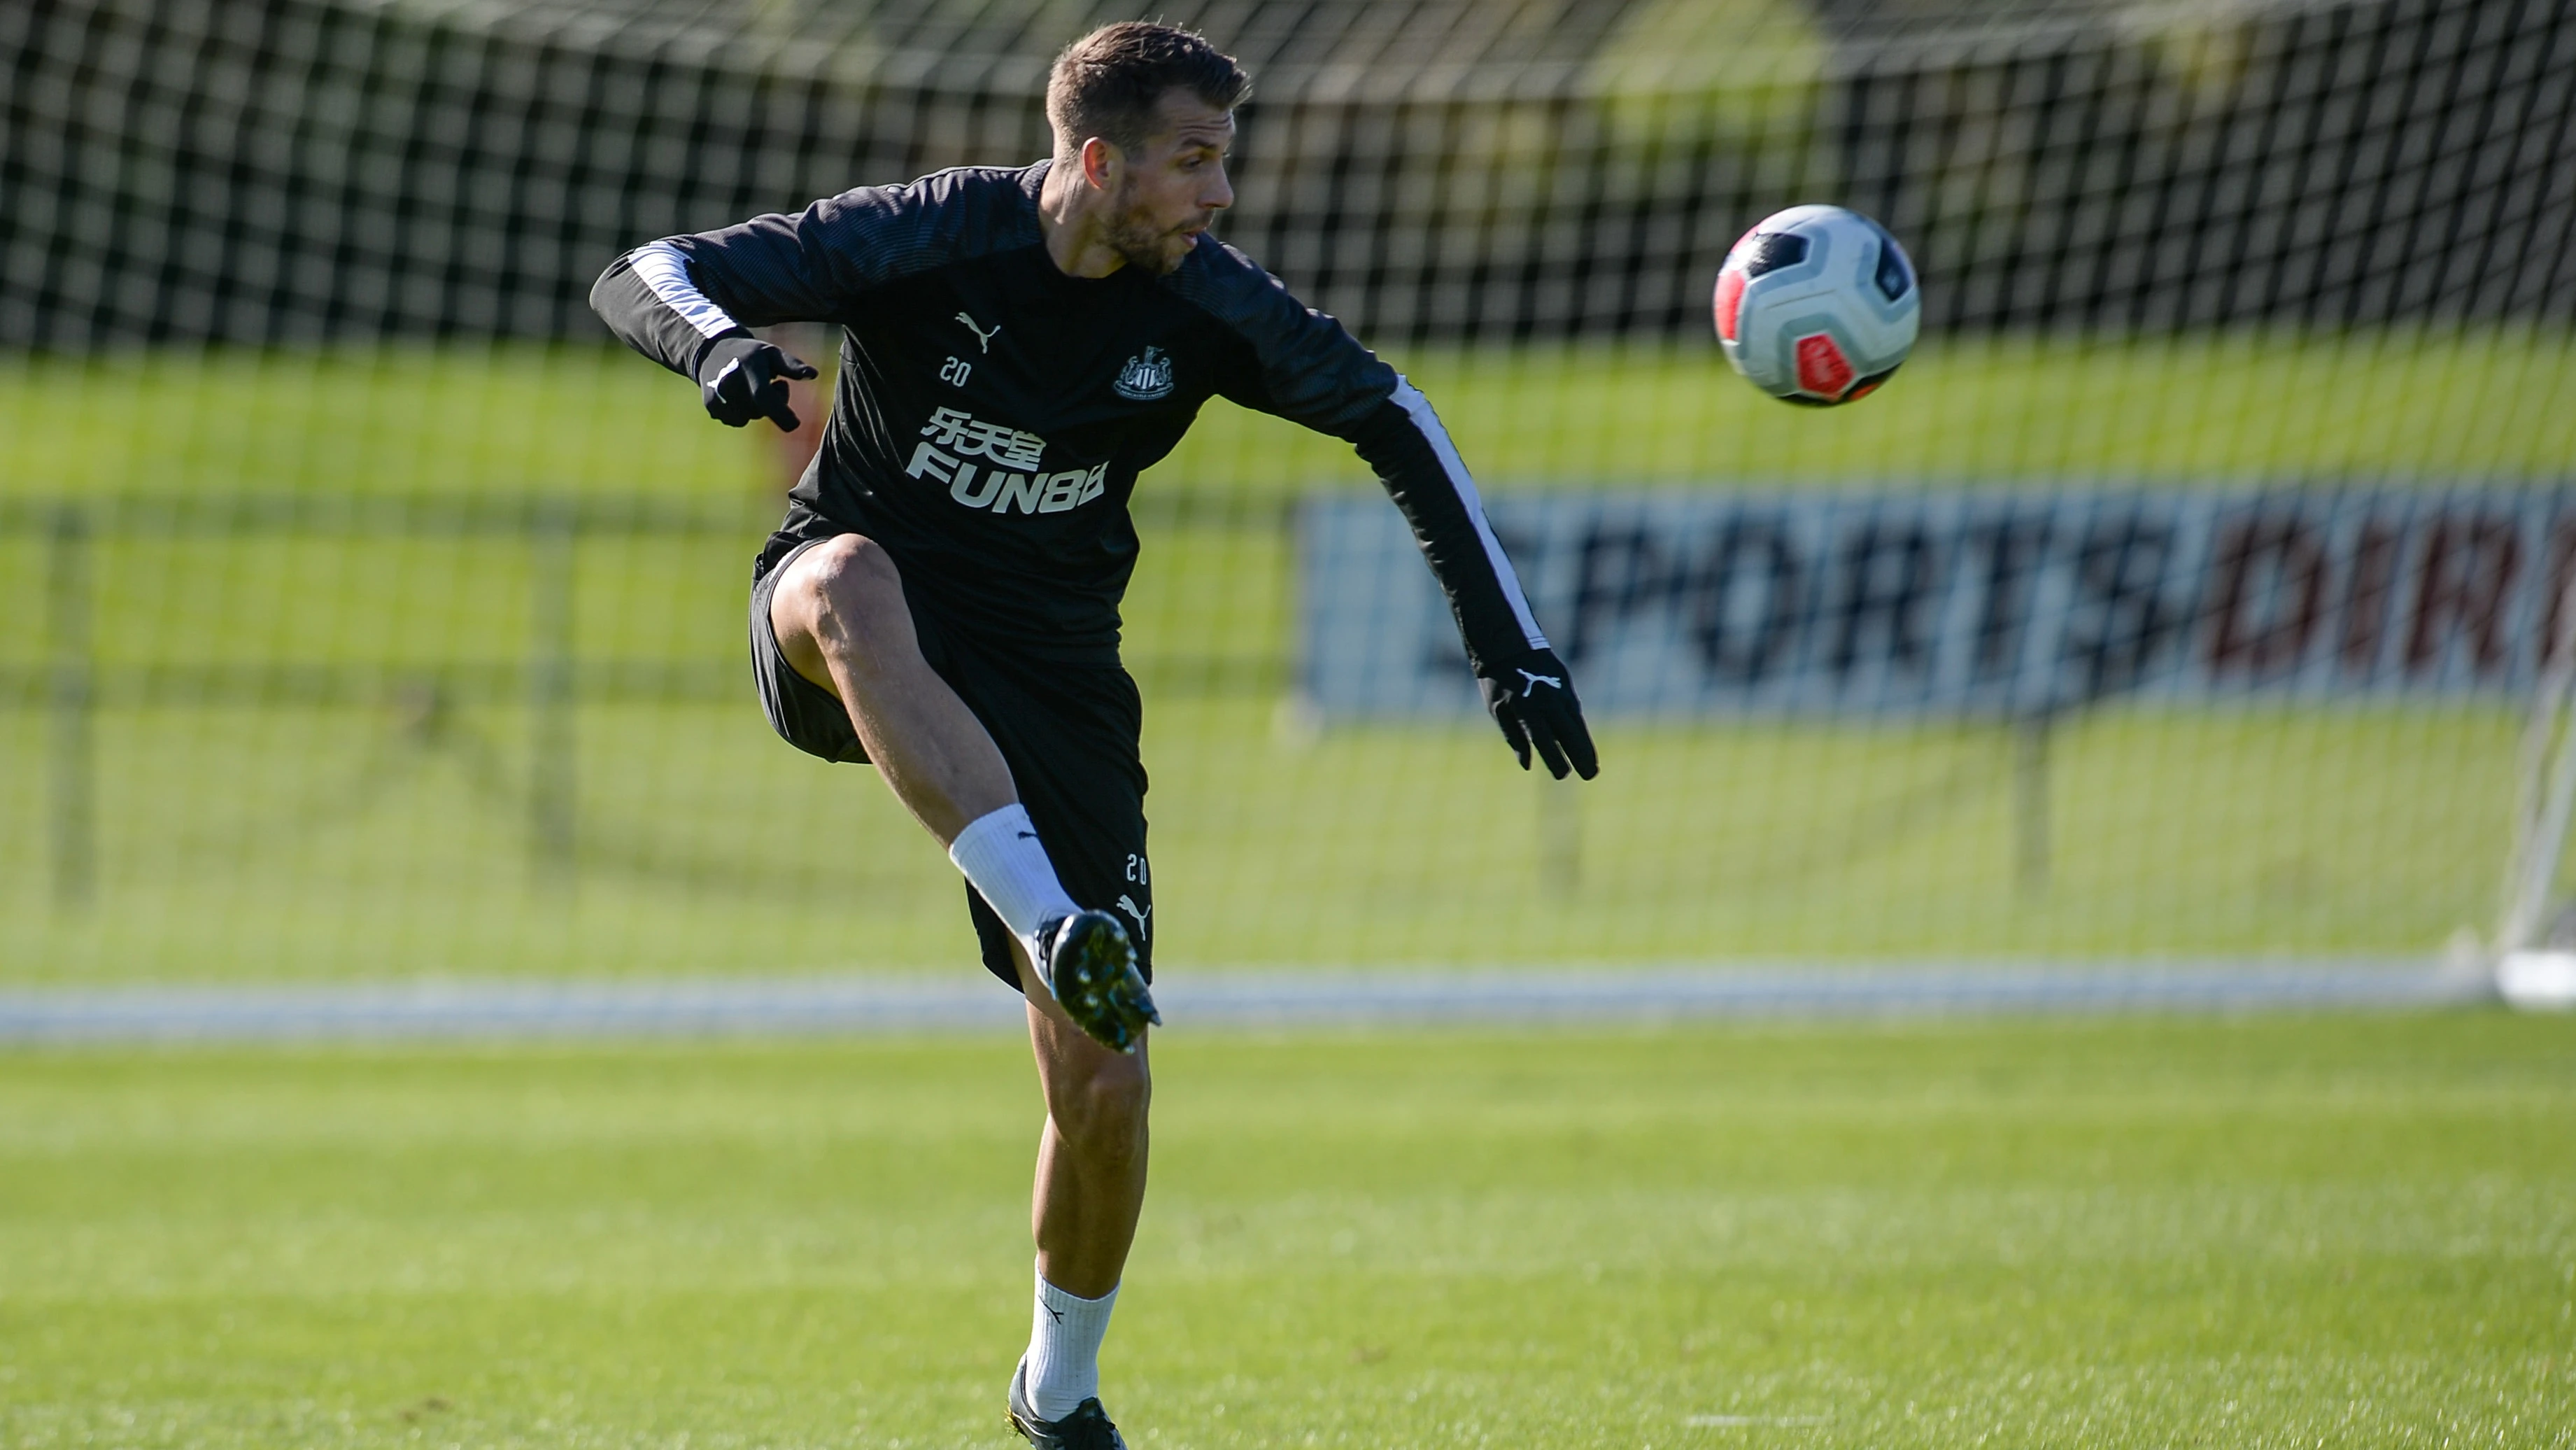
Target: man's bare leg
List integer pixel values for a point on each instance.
(840, 618)
(1090, 1189)
(841, 621)
(1091, 1158)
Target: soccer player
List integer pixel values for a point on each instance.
(942, 597)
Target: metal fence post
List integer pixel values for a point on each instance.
(552, 765)
(71, 700)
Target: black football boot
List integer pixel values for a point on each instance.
(1090, 966)
(1087, 1428)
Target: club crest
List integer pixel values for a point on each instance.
(1147, 376)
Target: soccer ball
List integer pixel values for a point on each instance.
(1817, 305)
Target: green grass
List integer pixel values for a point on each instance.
(2438, 403)
(377, 848)
(2198, 411)
(383, 832)
(2145, 1232)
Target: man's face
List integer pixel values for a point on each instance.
(1173, 187)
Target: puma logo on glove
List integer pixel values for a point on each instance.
(1539, 714)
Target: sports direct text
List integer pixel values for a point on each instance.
(1010, 478)
(1967, 602)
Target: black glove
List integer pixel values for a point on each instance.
(1532, 699)
(742, 378)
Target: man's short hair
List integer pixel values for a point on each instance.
(1107, 83)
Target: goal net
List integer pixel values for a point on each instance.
(365, 612)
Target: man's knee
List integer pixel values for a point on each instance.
(847, 590)
(849, 573)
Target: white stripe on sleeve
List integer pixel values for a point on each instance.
(666, 271)
(1418, 408)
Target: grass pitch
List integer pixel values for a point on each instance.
(2437, 403)
(2278, 1232)
(387, 832)
(355, 844)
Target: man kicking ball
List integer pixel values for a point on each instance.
(942, 597)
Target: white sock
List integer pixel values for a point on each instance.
(1007, 866)
(1064, 1350)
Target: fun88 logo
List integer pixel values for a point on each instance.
(1012, 477)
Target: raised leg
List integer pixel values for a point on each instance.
(842, 623)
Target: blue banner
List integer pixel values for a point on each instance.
(1961, 602)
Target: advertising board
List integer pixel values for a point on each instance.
(1959, 601)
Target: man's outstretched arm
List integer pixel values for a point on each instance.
(1526, 687)
(1301, 365)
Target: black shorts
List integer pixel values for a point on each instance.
(1069, 732)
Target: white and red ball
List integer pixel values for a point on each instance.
(1817, 305)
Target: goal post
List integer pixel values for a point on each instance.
(2535, 945)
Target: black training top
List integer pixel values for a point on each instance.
(992, 413)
